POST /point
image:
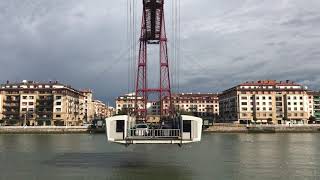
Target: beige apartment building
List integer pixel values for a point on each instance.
(88, 109)
(202, 105)
(33, 103)
(265, 101)
(205, 105)
(126, 104)
(101, 110)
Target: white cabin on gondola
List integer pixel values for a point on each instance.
(124, 130)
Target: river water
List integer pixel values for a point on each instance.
(217, 157)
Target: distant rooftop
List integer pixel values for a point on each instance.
(25, 84)
(270, 82)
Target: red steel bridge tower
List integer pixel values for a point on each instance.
(153, 33)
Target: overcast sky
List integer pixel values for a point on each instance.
(224, 42)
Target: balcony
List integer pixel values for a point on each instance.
(11, 101)
(11, 112)
(6, 105)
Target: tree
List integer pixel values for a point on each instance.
(123, 111)
(255, 120)
(312, 118)
(184, 112)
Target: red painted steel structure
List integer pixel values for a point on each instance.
(153, 32)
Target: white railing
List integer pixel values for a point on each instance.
(154, 133)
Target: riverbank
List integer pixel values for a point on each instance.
(44, 130)
(240, 128)
(216, 128)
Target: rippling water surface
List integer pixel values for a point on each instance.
(218, 156)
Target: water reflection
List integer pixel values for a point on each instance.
(122, 165)
(218, 156)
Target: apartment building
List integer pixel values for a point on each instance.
(101, 110)
(126, 103)
(265, 101)
(1, 106)
(316, 106)
(205, 105)
(314, 103)
(88, 108)
(202, 105)
(33, 103)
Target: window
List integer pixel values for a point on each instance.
(244, 98)
(289, 103)
(31, 97)
(24, 103)
(270, 103)
(264, 103)
(269, 97)
(24, 109)
(289, 97)
(58, 116)
(301, 98)
(31, 103)
(187, 126)
(257, 97)
(270, 109)
(120, 126)
(244, 103)
(58, 109)
(58, 97)
(295, 97)
(264, 108)
(301, 109)
(301, 103)
(263, 97)
(58, 103)
(295, 103)
(24, 97)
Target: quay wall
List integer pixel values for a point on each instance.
(238, 128)
(43, 130)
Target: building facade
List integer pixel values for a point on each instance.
(265, 101)
(88, 109)
(197, 104)
(316, 106)
(101, 110)
(314, 98)
(126, 104)
(32, 103)
(204, 105)
(1, 106)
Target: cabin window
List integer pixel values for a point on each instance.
(120, 126)
(187, 126)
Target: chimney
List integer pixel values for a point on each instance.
(8, 82)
